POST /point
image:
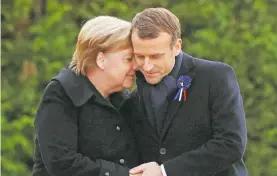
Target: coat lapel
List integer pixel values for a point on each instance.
(153, 131)
(186, 69)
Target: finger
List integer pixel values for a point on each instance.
(139, 169)
(135, 175)
(136, 170)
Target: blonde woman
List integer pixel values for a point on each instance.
(78, 128)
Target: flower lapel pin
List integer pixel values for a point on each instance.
(183, 83)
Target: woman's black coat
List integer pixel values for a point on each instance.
(79, 133)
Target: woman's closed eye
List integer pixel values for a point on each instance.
(139, 57)
(129, 59)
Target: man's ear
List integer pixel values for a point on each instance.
(100, 60)
(177, 47)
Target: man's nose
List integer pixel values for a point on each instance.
(147, 66)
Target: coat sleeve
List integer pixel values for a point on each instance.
(57, 132)
(228, 143)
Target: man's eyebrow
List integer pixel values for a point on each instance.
(154, 54)
(138, 54)
(157, 54)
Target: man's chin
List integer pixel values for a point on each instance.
(152, 81)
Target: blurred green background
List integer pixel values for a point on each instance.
(39, 36)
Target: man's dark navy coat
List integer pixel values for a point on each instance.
(202, 136)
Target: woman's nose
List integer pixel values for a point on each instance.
(135, 66)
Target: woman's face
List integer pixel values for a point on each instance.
(120, 67)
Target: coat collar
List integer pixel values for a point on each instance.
(118, 99)
(186, 69)
(80, 89)
(77, 87)
(187, 65)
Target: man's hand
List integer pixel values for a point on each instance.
(135, 175)
(147, 169)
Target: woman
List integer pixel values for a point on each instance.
(79, 130)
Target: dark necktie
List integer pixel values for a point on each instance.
(157, 98)
(160, 98)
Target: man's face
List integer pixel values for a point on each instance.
(155, 58)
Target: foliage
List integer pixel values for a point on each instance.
(38, 39)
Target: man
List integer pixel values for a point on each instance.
(186, 113)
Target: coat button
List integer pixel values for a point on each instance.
(162, 151)
(121, 161)
(107, 174)
(118, 128)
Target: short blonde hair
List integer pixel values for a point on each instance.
(100, 34)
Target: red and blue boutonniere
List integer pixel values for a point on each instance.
(183, 83)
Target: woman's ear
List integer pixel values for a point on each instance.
(100, 59)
